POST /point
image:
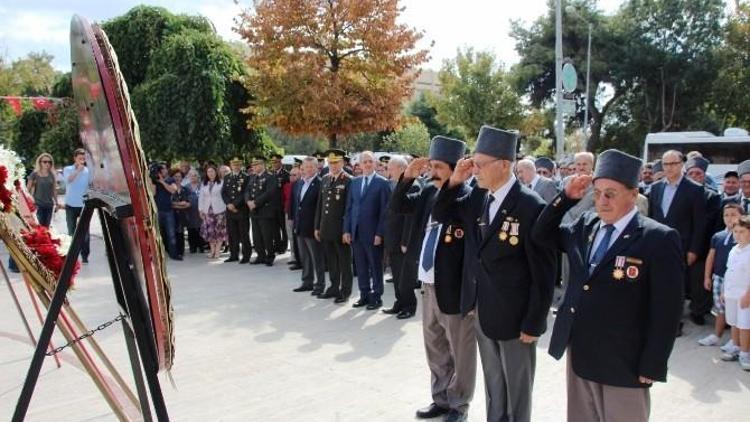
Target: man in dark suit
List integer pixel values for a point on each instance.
(305, 203)
(397, 230)
(438, 248)
(238, 219)
(329, 215)
(679, 203)
(281, 240)
(743, 170)
(364, 227)
(508, 277)
(622, 307)
(262, 199)
(701, 300)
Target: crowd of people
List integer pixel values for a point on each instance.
(487, 236)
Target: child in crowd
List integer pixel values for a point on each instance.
(737, 294)
(716, 265)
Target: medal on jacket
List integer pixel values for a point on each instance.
(503, 235)
(448, 238)
(513, 234)
(619, 272)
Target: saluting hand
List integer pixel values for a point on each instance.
(462, 171)
(577, 186)
(415, 168)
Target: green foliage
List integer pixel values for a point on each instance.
(302, 145)
(62, 137)
(8, 124)
(29, 76)
(476, 90)
(421, 107)
(31, 125)
(63, 87)
(412, 138)
(730, 104)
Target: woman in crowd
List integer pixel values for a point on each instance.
(180, 205)
(212, 211)
(195, 241)
(42, 185)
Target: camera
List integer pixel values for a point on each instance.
(153, 171)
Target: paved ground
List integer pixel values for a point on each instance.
(249, 349)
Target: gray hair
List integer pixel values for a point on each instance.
(399, 161)
(587, 154)
(527, 163)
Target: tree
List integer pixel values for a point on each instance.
(29, 76)
(31, 125)
(328, 67)
(63, 134)
(730, 103)
(421, 107)
(187, 86)
(412, 138)
(476, 90)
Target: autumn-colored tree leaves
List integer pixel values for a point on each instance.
(330, 67)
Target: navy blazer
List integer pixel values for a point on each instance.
(620, 321)
(511, 283)
(303, 211)
(365, 215)
(686, 214)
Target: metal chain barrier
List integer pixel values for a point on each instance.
(86, 335)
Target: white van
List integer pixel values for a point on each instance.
(724, 152)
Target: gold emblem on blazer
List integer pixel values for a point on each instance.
(619, 272)
(448, 238)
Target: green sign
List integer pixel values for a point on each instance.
(569, 78)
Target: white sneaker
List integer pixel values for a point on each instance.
(745, 361)
(727, 346)
(709, 340)
(731, 355)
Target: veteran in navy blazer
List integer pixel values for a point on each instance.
(304, 199)
(364, 226)
(508, 278)
(622, 307)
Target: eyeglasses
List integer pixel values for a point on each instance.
(609, 194)
(46, 162)
(483, 165)
(673, 163)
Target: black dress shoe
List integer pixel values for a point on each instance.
(374, 305)
(327, 295)
(340, 300)
(405, 314)
(257, 262)
(390, 280)
(454, 416)
(431, 411)
(244, 260)
(698, 319)
(302, 289)
(295, 267)
(360, 303)
(316, 293)
(231, 259)
(292, 263)
(391, 311)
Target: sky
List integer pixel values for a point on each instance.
(35, 25)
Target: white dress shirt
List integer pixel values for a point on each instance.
(619, 227)
(500, 195)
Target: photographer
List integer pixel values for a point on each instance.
(165, 187)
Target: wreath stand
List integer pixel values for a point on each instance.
(134, 311)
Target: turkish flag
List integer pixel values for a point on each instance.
(15, 104)
(40, 103)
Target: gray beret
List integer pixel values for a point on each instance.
(699, 162)
(743, 168)
(658, 167)
(497, 143)
(545, 162)
(618, 166)
(446, 149)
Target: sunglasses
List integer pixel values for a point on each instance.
(46, 162)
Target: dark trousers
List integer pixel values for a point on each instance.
(369, 261)
(44, 214)
(195, 241)
(263, 234)
(281, 240)
(701, 300)
(71, 218)
(238, 231)
(338, 257)
(295, 242)
(167, 226)
(179, 236)
(313, 271)
(403, 283)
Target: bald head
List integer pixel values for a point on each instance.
(526, 170)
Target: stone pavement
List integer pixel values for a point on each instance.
(249, 349)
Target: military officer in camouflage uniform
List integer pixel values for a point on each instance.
(281, 240)
(261, 197)
(329, 227)
(238, 223)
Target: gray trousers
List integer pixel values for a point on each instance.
(509, 368)
(311, 254)
(590, 401)
(451, 350)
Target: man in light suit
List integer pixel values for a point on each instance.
(680, 203)
(364, 226)
(543, 186)
(623, 305)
